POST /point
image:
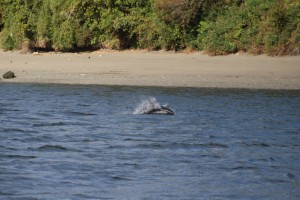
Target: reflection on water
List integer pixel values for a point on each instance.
(84, 142)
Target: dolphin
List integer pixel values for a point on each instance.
(152, 106)
(162, 110)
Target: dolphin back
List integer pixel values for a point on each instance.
(161, 111)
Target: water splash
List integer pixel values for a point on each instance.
(147, 105)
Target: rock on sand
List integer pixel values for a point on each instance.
(9, 75)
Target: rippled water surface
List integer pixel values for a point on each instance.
(84, 142)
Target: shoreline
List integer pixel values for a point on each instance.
(160, 69)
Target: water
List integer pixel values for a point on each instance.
(85, 142)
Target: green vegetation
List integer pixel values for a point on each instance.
(217, 27)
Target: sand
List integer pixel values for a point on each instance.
(142, 68)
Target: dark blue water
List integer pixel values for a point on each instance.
(84, 142)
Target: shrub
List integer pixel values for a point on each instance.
(183, 13)
(215, 26)
(44, 26)
(8, 42)
(257, 27)
(149, 34)
(64, 37)
(15, 26)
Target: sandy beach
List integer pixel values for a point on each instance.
(142, 68)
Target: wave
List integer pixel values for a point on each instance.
(179, 145)
(17, 156)
(52, 148)
(75, 113)
(12, 130)
(42, 124)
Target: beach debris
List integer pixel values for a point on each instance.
(152, 106)
(9, 75)
(36, 53)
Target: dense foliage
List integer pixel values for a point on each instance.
(215, 26)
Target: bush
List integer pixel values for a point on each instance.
(149, 34)
(44, 27)
(183, 13)
(271, 27)
(216, 26)
(8, 42)
(15, 26)
(281, 24)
